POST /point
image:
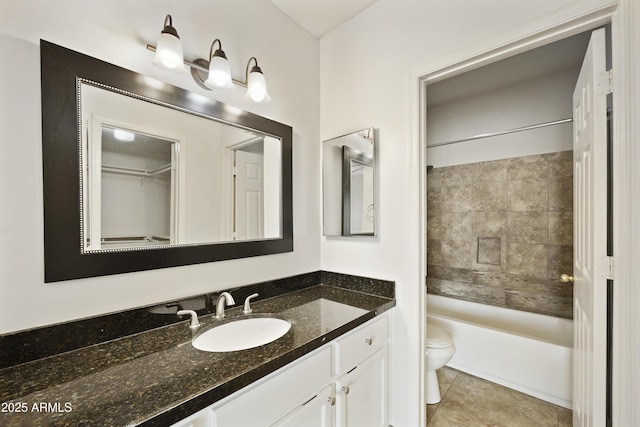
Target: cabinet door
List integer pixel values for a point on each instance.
(361, 394)
(279, 393)
(317, 412)
(202, 418)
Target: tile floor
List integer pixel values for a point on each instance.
(468, 401)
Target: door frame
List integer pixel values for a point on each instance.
(567, 21)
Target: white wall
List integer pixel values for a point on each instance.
(117, 31)
(366, 68)
(544, 99)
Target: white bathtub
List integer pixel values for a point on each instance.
(528, 352)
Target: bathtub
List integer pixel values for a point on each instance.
(528, 352)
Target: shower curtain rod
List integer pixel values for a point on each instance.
(488, 135)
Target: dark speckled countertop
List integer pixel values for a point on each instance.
(156, 378)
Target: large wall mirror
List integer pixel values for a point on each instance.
(348, 184)
(139, 174)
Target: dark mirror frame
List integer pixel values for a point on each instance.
(61, 71)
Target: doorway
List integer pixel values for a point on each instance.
(450, 114)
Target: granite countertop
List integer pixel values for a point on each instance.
(156, 378)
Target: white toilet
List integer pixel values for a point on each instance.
(440, 349)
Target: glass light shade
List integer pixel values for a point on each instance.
(219, 74)
(169, 54)
(257, 88)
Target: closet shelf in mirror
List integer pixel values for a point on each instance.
(135, 171)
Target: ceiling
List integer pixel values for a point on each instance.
(561, 55)
(321, 16)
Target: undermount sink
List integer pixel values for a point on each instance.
(241, 333)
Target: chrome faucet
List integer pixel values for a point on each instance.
(224, 298)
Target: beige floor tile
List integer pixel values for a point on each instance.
(471, 401)
(446, 376)
(565, 417)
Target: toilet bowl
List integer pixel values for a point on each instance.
(440, 349)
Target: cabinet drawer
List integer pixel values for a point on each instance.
(360, 344)
(283, 390)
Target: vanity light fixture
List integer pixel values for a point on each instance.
(219, 71)
(256, 84)
(212, 74)
(169, 51)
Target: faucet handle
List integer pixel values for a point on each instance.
(194, 318)
(247, 305)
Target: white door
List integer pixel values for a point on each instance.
(590, 265)
(249, 215)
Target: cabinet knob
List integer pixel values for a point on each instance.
(332, 400)
(345, 390)
(368, 340)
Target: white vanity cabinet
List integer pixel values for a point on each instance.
(361, 366)
(343, 384)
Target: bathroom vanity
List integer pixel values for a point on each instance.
(330, 367)
(343, 383)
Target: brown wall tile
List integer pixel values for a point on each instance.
(434, 199)
(527, 227)
(526, 259)
(561, 194)
(530, 167)
(490, 171)
(528, 195)
(560, 261)
(477, 293)
(456, 254)
(435, 231)
(489, 196)
(456, 226)
(513, 282)
(434, 252)
(449, 273)
(500, 232)
(561, 228)
(543, 304)
(456, 198)
(488, 224)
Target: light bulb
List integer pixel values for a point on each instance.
(123, 135)
(169, 49)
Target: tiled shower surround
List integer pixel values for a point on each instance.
(501, 232)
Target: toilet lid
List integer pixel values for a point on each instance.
(437, 337)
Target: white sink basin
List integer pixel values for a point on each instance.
(241, 334)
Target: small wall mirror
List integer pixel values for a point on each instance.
(348, 184)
